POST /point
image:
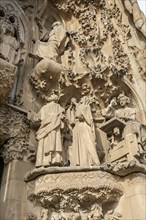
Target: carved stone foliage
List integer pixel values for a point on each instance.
(15, 136)
(72, 198)
(92, 48)
(80, 52)
(7, 74)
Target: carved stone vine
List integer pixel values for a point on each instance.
(89, 39)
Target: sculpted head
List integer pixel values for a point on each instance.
(10, 29)
(73, 101)
(97, 212)
(52, 97)
(123, 100)
(56, 23)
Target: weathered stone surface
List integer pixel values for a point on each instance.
(72, 109)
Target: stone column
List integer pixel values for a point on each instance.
(133, 202)
(13, 191)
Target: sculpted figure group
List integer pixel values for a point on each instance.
(69, 138)
(53, 122)
(94, 214)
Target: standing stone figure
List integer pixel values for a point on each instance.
(49, 152)
(83, 147)
(9, 45)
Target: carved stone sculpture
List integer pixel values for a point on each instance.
(134, 132)
(12, 50)
(124, 112)
(111, 215)
(138, 16)
(14, 138)
(9, 46)
(82, 153)
(49, 138)
(96, 213)
(10, 40)
(52, 44)
(83, 147)
(48, 51)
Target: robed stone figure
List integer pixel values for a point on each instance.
(49, 152)
(84, 151)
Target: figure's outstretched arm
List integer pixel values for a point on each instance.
(110, 111)
(35, 118)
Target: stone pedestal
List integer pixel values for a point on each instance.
(77, 193)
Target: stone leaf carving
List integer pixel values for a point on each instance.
(76, 49)
(15, 128)
(7, 74)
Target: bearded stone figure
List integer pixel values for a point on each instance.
(49, 152)
(83, 147)
(129, 115)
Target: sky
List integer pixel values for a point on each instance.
(142, 4)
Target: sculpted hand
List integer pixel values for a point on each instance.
(113, 102)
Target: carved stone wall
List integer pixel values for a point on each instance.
(72, 108)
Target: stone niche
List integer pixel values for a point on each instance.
(72, 114)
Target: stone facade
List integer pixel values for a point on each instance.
(72, 110)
